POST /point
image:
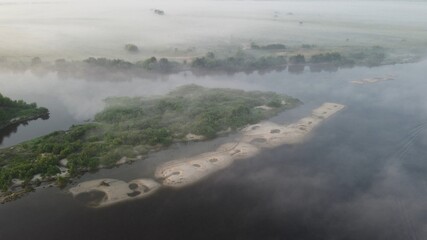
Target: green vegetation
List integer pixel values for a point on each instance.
(273, 46)
(18, 111)
(374, 56)
(131, 127)
(331, 58)
(240, 62)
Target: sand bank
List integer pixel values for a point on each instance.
(266, 134)
(270, 135)
(105, 192)
(186, 171)
(373, 80)
(189, 170)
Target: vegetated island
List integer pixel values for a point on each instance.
(128, 129)
(189, 170)
(15, 112)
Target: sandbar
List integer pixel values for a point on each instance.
(106, 192)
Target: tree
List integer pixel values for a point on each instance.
(132, 48)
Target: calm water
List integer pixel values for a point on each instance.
(362, 175)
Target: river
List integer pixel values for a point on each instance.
(362, 175)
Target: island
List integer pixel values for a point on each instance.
(130, 128)
(183, 172)
(15, 112)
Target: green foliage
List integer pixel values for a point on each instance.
(163, 65)
(326, 58)
(330, 60)
(61, 182)
(16, 111)
(117, 64)
(148, 64)
(240, 62)
(275, 102)
(273, 46)
(374, 56)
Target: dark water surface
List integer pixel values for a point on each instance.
(361, 175)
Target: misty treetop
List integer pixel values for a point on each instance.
(240, 62)
(272, 46)
(132, 127)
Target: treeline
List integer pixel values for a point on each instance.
(115, 69)
(14, 111)
(240, 62)
(118, 69)
(273, 46)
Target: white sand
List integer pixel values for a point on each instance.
(194, 137)
(239, 150)
(270, 135)
(116, 190)
(266, 134)
(190, 170)
(122, 160)
(263, 107)
(373, 80)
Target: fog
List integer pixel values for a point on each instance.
(80, 29)
(360, 175)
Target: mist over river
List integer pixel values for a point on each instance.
(361, 175)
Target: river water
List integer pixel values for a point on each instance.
(361, 175)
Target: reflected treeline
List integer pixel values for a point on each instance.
(13, 128)
(241, 62)
(7, 131)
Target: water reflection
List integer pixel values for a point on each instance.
(362, 175)
(296, 68)
(13, 128)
